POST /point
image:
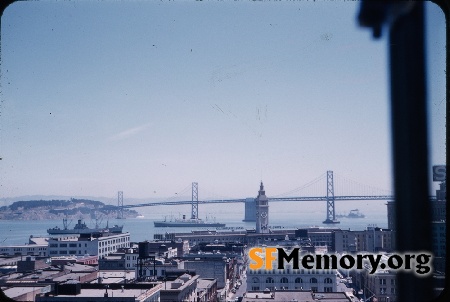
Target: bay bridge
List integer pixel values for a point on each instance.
(330, 198)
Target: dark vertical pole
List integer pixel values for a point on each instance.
(410, 146)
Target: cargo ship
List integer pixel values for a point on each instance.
(353, 214)
(82, 228)
(193, 222)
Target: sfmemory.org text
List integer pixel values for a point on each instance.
(265, 257)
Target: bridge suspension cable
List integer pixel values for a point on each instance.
(307, 185)
(345, 185)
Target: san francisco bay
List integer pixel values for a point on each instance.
(282, 215)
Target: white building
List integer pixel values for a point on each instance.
(80, 245)
(131, 259)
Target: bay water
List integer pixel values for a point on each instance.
(281, 214)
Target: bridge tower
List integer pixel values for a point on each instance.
(250, 209)
(194, 212)
(331, 215)
(262, 211)
(120, 205)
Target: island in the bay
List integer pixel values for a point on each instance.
(59, 209)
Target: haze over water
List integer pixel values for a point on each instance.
(284, 214)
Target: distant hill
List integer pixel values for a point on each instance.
(106, 200)
(10, 200)
(56, 209)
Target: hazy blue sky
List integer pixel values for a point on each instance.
(148, 96)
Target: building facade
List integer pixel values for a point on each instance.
(290, 279)
(80, 245)
(40, 250)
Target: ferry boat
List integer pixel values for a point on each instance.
(82, 228)
(193, 222)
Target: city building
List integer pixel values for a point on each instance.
(97, 244)
(114, 261)
(86, 260)
(373, 239)
(381, 285)
(155, 268)
(25, 292)
(24, 286)
(30, 264)
(25, 250)
(76, 292)
(131, 256)
(184, 288)
(290, 279)
(294, 295)
(173, 248)
(214, 266)
(206, 290)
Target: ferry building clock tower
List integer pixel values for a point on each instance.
(262, 211)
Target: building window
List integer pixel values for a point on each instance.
(284, 280)
(313, 280)
(298, 280)
(328, 280)
(269, 280)
(255, 280)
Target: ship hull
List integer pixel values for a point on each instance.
(82, 228)
(82, 231)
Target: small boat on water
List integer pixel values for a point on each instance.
(193, 222)
(352, 214)
(82, 228)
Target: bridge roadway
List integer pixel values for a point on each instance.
(315, 198)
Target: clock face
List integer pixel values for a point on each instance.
(263, 214)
